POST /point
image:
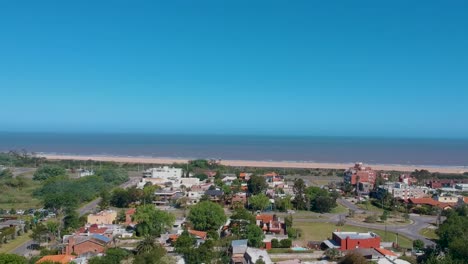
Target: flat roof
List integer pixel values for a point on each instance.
(355, 235)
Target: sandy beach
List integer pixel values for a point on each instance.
(270, 164)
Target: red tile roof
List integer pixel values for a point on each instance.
(264, 217)
(199, 234)
(386, 252)
(57, 258)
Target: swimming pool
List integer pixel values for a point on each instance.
(298, 249)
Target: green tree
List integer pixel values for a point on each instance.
(48, 171)
(353, 258)
(152, 221)
(12, 259)
(384, 216)
(6, 174)
(146, 245)
(104, 203)
(323, 204)
(113, 175)
(418, 244)
(184, 243)
(259, 202)
(254, 235)
(156, 256)
(299, 194)
(256, 184)
(113, 256)
(206, 216)
(283, 204)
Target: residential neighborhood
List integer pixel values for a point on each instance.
(208, 214)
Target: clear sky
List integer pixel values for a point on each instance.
(357, 68)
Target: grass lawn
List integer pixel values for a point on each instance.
(322, 231)
(369, 207)
(340, 209)
(429, 233)
(19, 198)
(13, 244)
(287, 250)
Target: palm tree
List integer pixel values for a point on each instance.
(146, 245)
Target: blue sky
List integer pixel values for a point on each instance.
(351, 68)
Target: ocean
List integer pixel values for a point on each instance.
(403, 151)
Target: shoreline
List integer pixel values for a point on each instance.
(262, 164)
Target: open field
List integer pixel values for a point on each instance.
(429, 233)
(340, 209)
(19, 198)
(321, 231)
(13, 244)
(370, 207)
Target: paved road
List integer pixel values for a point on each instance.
(87, 208)
(411, 230)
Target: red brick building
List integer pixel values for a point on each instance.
(360, 174)
(78, 245)
(353, 240)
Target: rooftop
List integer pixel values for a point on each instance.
(355, 235)
(56, 259)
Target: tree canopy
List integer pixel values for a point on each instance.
(206, 216)
(12, 259)
(259, 202)
(48, 171)
(152, 221)
(256, 184)
(453, 234)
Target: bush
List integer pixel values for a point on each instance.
(275, 243)
(286, 243)
(371, 219)
(292, 232)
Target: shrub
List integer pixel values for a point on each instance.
(371, 219)
(275, 243)
(286, 243)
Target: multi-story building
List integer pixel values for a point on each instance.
(403, 191)
(166, 172)
(360, 176)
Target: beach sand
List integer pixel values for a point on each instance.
(263, 164)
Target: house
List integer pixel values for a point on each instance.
(238, 249)
(271, 224)
(431, 202)
(215, 195)
(462, 187)
(103, 217)
(252, 255)
(200, 236)
(447, 199)
(353, 240)
(239, 198)
(462, 200)
(78, 244)
(84, 173)
(63, 259)
(187, 182)
(128, 216)
(193, 197)
(441, 183)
